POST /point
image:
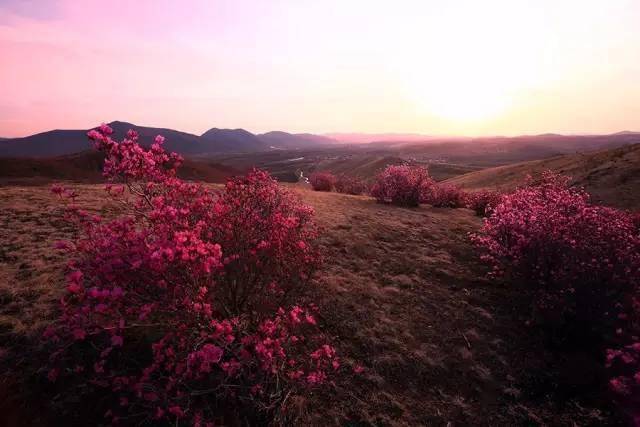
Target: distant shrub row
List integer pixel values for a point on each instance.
(326, 181)
(410, 186)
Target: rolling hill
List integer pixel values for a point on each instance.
(497, 151)
(61, 142)
(230, 140)
(87, 167)
(366, 166)
(368, 138)
(214, 141)
(612, 176)
(285, 140)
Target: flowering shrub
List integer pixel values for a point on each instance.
(349, 185)
(635, 217)
(483, 202)
(625, 384)
(444, 196)
(266, 236)
(173, 309)
(581, 261)
(401, 185)
(322, 181)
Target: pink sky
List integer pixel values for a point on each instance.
(457, 67)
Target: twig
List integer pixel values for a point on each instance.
(465, 338)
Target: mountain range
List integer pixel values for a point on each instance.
(480, 151)
(214, 141)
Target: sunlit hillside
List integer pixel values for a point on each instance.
(611, 176)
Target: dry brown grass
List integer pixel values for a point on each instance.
(611, 176)
(400, 291)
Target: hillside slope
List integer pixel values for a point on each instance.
(400, 292)
(62, 142)
(498, 151)
(362, 166)
(87, 167)
(366, 166)
(285, 140)
(611, 176)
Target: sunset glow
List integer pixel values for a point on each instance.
(459, 67)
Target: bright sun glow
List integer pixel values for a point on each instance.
(475, 69)
(460, 98)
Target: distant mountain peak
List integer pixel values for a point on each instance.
(232, 140)
(280, 139)
(547, 135)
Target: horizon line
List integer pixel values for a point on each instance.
(348, 133)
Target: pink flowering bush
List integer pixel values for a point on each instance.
(483, 202)
(401, 185)
(624, 365)
(582, 262)
(266, 235)
(635, 217)
(176, 309)
(349, 185)
(322, 181)
(444, 196)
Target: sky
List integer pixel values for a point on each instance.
(456, 67)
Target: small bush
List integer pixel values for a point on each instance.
(483, 202)
(401, 185)
(582, 262)
(444, 196)
(172, 310)
(322, 181)
(349, 185)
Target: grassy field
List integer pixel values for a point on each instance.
(400, 290)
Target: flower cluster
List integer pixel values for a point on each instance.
(349, 185)
(173, 309)
(322, 181)
(266, 236)
(635, 217)
(444, 196)
(624, 365)
(127, 159)
(581, 261)
(402, 185)
(482, 202)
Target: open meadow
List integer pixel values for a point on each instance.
(400, 290)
